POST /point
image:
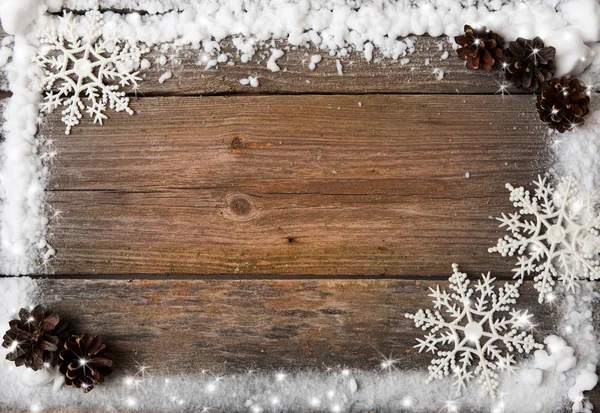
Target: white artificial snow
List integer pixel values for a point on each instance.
(272, 62)
(145, 64)
(339, 67)
(314, 61)
(577, 152)
(559, 357)
(5, 54)
(164, 77)
(554, 234)
(223, 58)
(338, 26)
(470, 320)
(586, 380)
(16, 16)
(368, 51)
(531, 376)
(250, 80)
(583, 16)
(22, 175)
(576, 341)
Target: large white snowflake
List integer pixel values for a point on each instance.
(554, 233)
(85, 70)
(478, 326)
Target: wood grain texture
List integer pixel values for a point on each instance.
(291, 185)
(230, 327)
(360, 76)
(235, 325)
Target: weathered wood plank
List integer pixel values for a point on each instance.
(291, 185)
(419, 75)
(266, 324)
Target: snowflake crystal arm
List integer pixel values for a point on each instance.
(554, 234)
(481, 340)
(84, 72)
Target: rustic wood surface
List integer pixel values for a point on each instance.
(223, 188)
(231, 326)
(291, 185)
(419, 75)
(236, 325)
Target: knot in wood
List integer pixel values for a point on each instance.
(237, 143)
(239, 207)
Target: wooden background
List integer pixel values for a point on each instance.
(290, 225)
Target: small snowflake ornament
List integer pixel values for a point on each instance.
(474, 331)
(554, 233)
(84, 70)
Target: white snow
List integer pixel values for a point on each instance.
(577, 152)
(586, 380)
(164, 77)
(338, 28)
(250, 80)
(368, 51)
(22, 174)
(583, 16)
(272, 62)
(314, 61)
(339, 67)
(532, 377)
(561, 357)
(5, 54)
(145, 64)
(16, 16)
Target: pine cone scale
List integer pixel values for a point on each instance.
(528, 64)
(85, 361)
(34, 338)
(49, 344)
(563, 104)
(479, 48)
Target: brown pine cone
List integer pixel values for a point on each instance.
(35, 338)
(528, 64)
(563, 104)
(479, 47)
(85, 362)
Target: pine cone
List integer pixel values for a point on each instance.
(84, 362)
(528, 64)
(479, 47)
(563, 104)
(35, 338)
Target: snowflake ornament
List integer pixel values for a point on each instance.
(480, 328)
(554, 233)
(84, 70)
